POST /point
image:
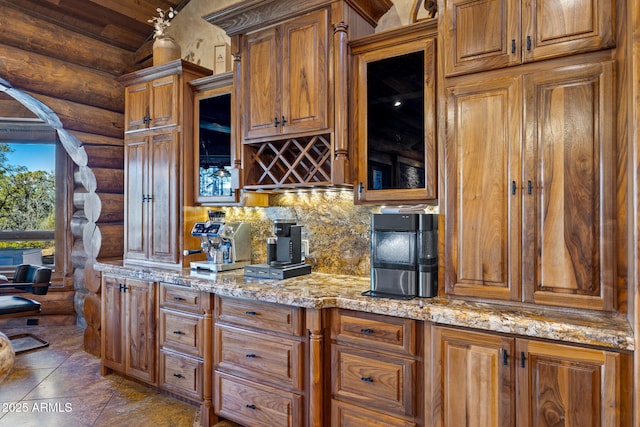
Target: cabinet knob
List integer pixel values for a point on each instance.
(178, 376)
(250, 406)
(284, 121)
(250, 356)
(178, 332)
(250, 313)
(366, 379)
(513, 46)
(275, 122)
(528, 42)
(146, 120)
(180, 298)
(366, 331)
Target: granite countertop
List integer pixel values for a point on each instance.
(320, 290)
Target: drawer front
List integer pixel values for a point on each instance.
(259, 356)
(271, 317)
(374, 380)
(181, 374)
(374, 331)
(346, 415)
(182, 332)
(253, 404)
(182, 298)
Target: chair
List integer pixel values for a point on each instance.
(30, 278)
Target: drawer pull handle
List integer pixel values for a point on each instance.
(250, 406)
(178, 298)
(367, 379)
(366, 331)
(178, 376)
(250, 313)
(178, 332)
(250, 355)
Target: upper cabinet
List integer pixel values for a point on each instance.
(215, 158)
(289, 93)
(394, 124)
(151, 104)
(291, 77)
(489, 34)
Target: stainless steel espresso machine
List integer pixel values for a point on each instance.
(284, 253)
(227, 246)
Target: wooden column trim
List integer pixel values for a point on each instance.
(315, 324)
(340, 98)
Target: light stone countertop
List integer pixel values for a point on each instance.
(319, 290)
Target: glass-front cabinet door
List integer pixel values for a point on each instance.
(215, 173)
(395, 119)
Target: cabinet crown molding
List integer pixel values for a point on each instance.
(249, 15)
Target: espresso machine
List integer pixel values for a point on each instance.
(227, 246)
(284, 253)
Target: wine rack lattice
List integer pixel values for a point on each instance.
(292, 162)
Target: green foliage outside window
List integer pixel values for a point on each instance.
(27, 201)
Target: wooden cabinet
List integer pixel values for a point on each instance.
(375, 369)
(158, 161)
(216, 153)
(259, 362)
(129, 328)
(394, 126)
(152, 104)
(478, 376)
(285, 77)
(483, 35)
(184, 336)
(152, 212)
(291, 73)
(530, 205)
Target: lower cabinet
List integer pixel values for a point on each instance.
(259, 363)
(184, 334)
(129, 328)
(376, 370)
(502, 381)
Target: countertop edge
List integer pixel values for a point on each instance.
(321, 290)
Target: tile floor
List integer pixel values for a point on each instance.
(61, 385)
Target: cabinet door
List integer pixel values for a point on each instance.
(164, 205)
(304, 73)
(136, 154)
(569, 212)
(569, 386)
(164, 101)
(261, 86)
(553, 28)
(480, 35)
(112, 328)
(473, 379)
(136, 115)
(140, 347)
(396, 125)
(483, 176)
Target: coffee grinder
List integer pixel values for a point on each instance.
(284, 253)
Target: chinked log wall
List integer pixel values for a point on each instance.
(74, 75)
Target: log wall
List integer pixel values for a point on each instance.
(75, 76)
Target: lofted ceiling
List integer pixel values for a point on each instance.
(121, 23)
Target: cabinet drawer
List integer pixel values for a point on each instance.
(181, 374)
(346, 415)
(263, 357)
(182, 332)
(181, 298)
(254, 404)
(375, 331)
(271, 317)
(374, 380)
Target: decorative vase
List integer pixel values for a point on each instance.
(165, 49)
